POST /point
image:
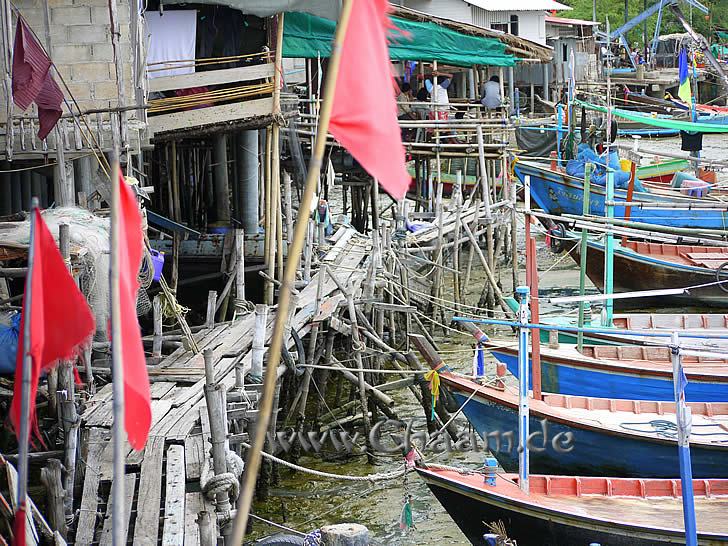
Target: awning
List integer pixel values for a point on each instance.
(306, 36)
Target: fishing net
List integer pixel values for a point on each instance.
(89, 237)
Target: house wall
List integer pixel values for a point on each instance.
(456, 10)
(81, 48)
(531, 24)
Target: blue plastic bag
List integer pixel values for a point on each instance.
(9, 344)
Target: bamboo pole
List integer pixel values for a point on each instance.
(584, 248)
(265, 409)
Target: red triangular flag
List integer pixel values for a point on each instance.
(60, 319)
(19, 525)
(137, 395)
(364, 115)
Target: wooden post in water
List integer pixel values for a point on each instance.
(583, 249)
(458, 202)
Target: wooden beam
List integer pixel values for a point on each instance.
(129, 486)
(211, 115)
(146, 527)
(212, 77)
(174, 504)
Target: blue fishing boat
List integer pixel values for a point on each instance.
(628, 372)
(559, 193)
(581, 435)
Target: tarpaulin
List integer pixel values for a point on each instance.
(307, 36)
(665, 123)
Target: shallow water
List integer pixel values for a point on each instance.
(304, 502)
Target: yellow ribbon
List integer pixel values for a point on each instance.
(434, 383)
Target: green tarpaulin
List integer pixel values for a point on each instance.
(307, 36)
(690, 126)
(722, 35)
(719, 50)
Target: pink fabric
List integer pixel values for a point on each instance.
(364, 115)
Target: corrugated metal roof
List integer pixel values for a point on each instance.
(519, 5)
(565, 21)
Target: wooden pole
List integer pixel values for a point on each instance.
(117, 369)
(458, 198)
(67, 414)
(240, 270)
(266, 406)
(25, 401)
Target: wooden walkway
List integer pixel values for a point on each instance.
(162, 482)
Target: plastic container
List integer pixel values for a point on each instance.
(158, 261)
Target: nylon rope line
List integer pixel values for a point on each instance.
(380, 476)
(277, 525)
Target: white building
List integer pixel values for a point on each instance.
(526, 19)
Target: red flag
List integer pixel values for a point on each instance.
(60, 319)
(137, 395)
(364, 115)
(32, 79)
(19, 525)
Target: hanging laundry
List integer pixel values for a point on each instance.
(33, 81)
(172, 42)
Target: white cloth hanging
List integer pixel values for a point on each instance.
(172, 36)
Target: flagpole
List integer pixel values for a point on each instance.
(252, 462)
(117, 369)
(27, 364)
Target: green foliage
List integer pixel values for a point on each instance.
(614, 10)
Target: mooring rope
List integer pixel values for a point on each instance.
(378, 477)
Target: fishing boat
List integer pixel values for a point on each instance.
(559, 193)
(580, 435)
(573, 510)
(654, 266)
(628, 372)
(713, 324)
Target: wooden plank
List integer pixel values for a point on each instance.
(146, 527)
(212, 77)
(211, 115)
(194, 456)
(161, 388)
(129, 486)
(31, 533)
(194, 503)
(174, 503)
(90, 498)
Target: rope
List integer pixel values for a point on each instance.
(378, 477)
(227, 482)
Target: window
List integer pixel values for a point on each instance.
(502, 27)
(514, 25)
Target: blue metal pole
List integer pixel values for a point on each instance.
(684, 419)
(609, 248)
(559, 129)
(523, 294)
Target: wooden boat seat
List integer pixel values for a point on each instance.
(700, 256)
(670, 321)
(707, 409)
(622, 487)
(636, 352)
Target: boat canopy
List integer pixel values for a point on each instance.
(665, 123)
(307, 36)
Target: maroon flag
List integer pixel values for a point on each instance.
(32, 79)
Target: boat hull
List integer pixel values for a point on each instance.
(635, 272)
(581, 378)
(471, 509)
(559, 193)
(591, 451)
